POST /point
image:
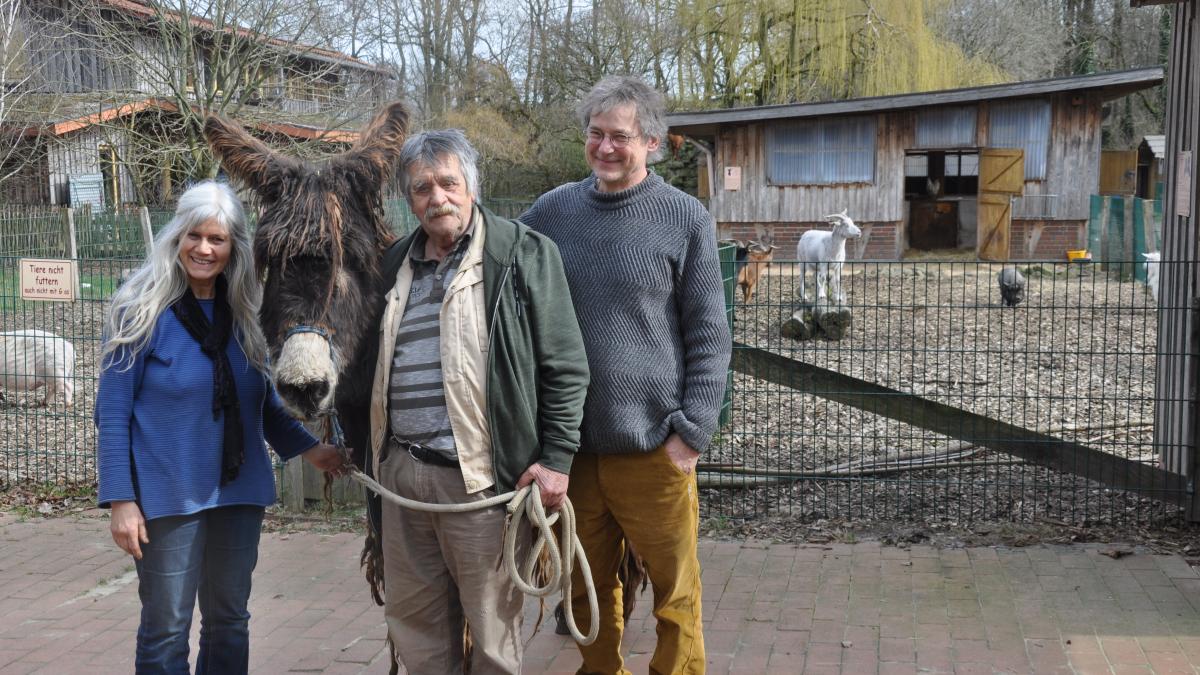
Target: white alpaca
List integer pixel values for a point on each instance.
(825, 252)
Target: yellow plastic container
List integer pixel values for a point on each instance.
(1078, 255)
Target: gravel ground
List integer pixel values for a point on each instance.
(1075, 359)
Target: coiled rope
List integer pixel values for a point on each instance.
(525, 503)
(563, 552)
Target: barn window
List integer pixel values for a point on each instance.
(821, 151)
(946, 128)
(1024, 125)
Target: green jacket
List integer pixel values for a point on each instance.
(537, 374)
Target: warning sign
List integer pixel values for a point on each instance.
(47, 279)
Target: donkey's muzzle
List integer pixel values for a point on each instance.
(306, 398)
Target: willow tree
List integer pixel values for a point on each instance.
(778, 51)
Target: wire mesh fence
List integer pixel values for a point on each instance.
(939, 401)
(923, 397)
(43, 438)
(46, 430)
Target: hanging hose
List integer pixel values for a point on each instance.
(524, 503)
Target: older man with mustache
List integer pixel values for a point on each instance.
(479, 387)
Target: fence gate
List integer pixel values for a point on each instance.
(1001, 176)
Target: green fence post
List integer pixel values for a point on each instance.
(1158, 221)
(727, 254)
(1095, 238)
(1117, 255)
(1139, 238)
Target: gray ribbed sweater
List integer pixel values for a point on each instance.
(646, 283)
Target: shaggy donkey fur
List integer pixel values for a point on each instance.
(319, 244)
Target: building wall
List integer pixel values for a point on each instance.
(1072, 164)
(77, 154)
(758, 202)
(1045, 239)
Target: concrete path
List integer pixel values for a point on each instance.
(68, 604)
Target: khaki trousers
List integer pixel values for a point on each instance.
(646, 497)
(442, 569)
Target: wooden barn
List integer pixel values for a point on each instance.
(1005, 170)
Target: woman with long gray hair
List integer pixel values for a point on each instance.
(183, 405)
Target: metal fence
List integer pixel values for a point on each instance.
(938, 403)
(46, 440)
(941, 403)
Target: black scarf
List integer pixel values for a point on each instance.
(214, 340)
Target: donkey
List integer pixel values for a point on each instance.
(319, 244)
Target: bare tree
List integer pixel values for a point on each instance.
(240, 58)
(1026, 38)
(438, 38)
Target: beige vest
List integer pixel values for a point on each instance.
(464, 350)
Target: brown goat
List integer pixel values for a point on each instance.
(757, 258)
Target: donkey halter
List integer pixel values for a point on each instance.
(333, 430)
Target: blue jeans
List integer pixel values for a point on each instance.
(211, 553)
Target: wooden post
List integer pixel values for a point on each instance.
(147, 232)
(291, 485)
(72, 249)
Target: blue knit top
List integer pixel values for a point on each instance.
(159, 443)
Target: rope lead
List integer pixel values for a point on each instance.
(520, 504)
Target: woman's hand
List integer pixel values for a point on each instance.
(128, 528)
(327, 458)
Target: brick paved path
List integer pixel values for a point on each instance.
(68, 604)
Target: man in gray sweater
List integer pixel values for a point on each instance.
(641, 261)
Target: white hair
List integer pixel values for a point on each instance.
(162, 279)
(431, 148)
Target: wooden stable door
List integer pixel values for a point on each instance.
(1001, 176)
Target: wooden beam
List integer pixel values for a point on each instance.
(1033, 446)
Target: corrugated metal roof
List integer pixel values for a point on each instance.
(1158, 144)
(1116, 83)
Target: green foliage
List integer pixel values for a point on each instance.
(681, 171)
(777, 51)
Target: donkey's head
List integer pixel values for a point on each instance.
(321, 232)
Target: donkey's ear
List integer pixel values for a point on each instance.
(378, 148)
(244, 157)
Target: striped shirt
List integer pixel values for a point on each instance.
(416, 397)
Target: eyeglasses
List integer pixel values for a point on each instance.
(618, 140)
